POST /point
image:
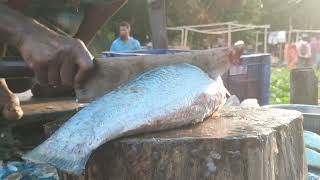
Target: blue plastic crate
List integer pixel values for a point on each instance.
(250, 79)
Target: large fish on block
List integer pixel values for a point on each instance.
(163, 98)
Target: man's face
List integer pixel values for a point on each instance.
(124, 32)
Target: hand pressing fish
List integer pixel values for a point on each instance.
(163, 98)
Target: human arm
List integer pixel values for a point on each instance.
(9, 103)
(113, 46)
(95, 16)
(138, 45)
(56, 59)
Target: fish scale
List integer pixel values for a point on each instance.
(162, 98)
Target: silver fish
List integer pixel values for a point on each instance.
(162, 98)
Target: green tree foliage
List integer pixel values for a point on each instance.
(304, 13)
(182, 12)
(179, 12)
(191, 12)
(279, 86)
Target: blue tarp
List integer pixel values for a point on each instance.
(313, 158)
(312, 140)
(27, 171)
(313, 176)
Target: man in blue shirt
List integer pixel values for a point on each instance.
(125, 42)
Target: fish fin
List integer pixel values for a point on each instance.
(72, 166)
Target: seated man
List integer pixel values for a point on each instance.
(125, 42)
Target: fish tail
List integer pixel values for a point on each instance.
(72, 165)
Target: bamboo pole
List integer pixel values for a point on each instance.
(204, 25)
(289, 36)
(229, 36)
(290, 29)
(305, 31)
(182, 37)
(265, 40)
(257, 41)
(219, 32)
(185, 38)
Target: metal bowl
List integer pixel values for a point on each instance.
(311, 115)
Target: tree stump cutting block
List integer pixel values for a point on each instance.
(240, 144)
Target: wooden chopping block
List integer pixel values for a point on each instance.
(241, 144)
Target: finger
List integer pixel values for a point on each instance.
(83, 73)
(67, 73)
(41, 73)
(54, 72)
(12, 110)
(84, 61)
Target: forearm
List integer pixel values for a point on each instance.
(3, 49)
(4, 90)
(19, 5)
(95, 17)
(14, 27)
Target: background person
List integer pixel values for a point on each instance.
(125, 42)
(304, 52)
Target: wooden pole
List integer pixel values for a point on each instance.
(185, 43)
(229, 36)
(265, 48)
(257, 42)
(303, 86)
(182, 37)
(289, 36)
(290, 29)
(157, 18)
(281, 53)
